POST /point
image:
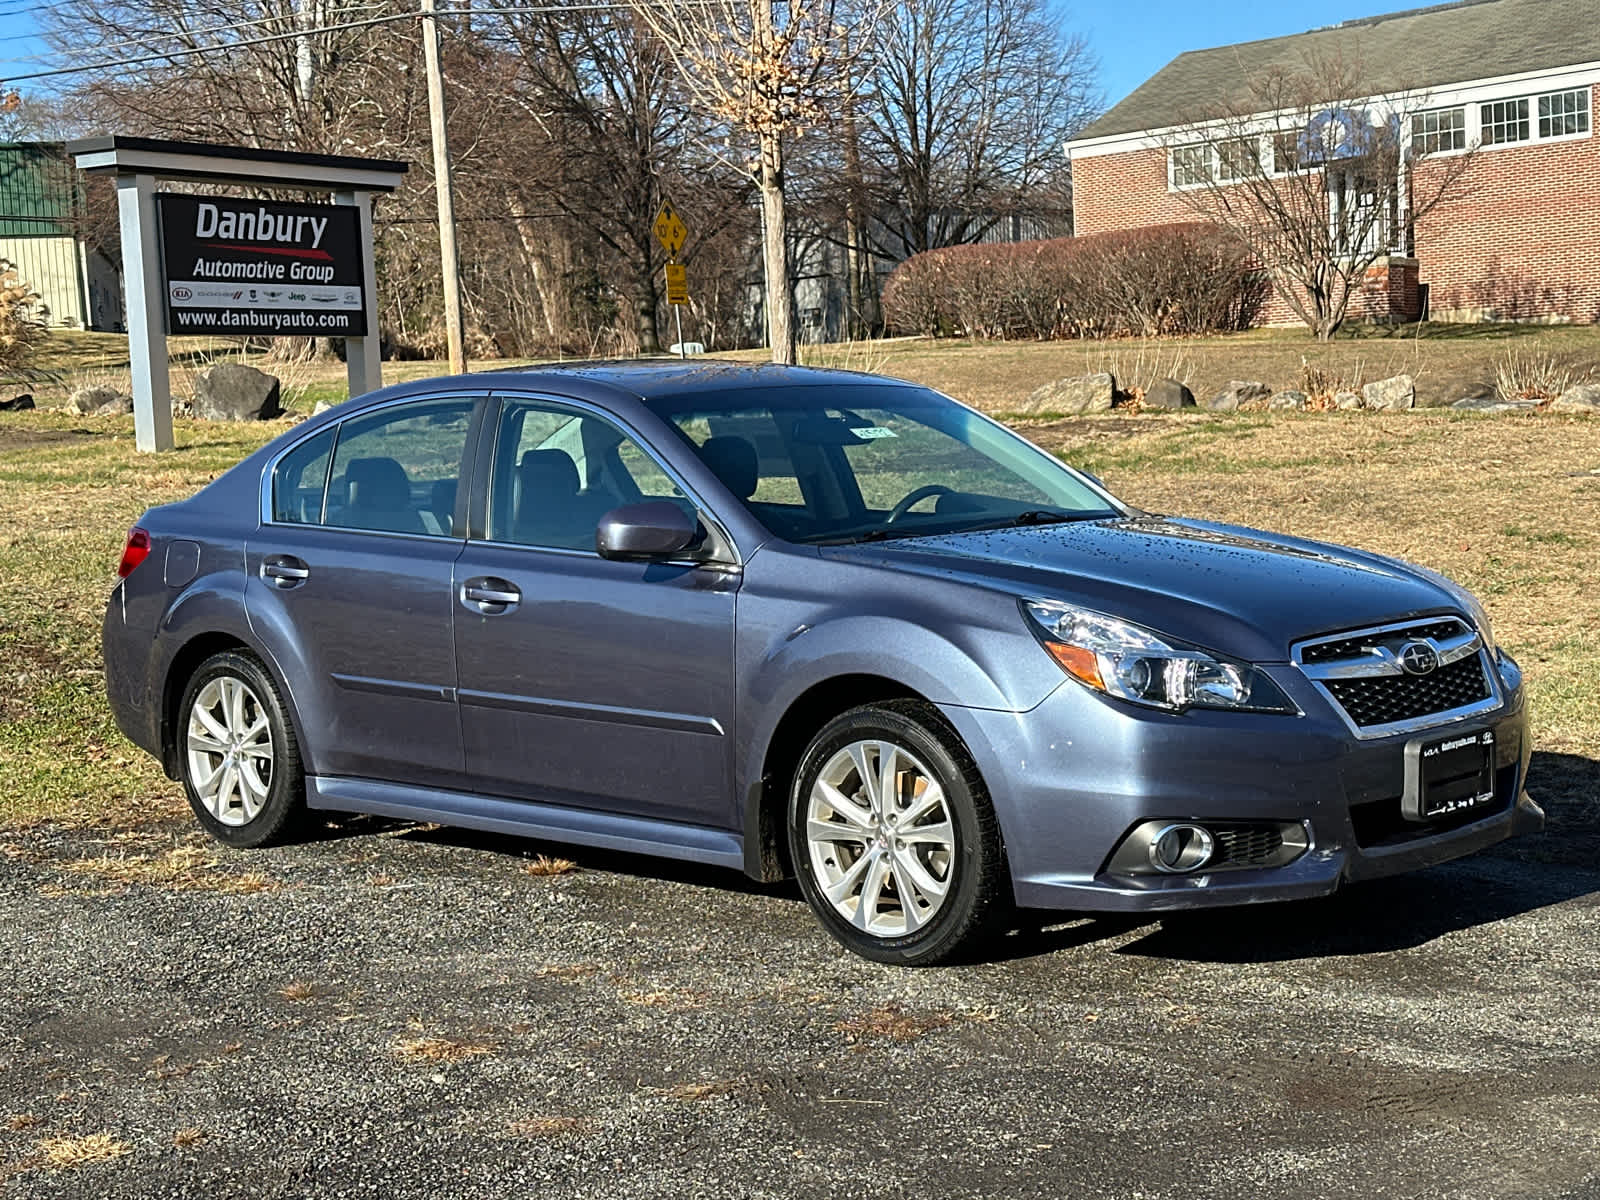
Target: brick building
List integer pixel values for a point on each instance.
(1508, 83)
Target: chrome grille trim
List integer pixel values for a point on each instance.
(1370, 654)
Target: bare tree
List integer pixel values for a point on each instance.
(963, 114)
(765, 69)
(611, 137)
(347, 87)
(1318, 176)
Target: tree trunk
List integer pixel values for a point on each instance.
(855, 325)
(644, 303)
(549, 302)
(775, 251)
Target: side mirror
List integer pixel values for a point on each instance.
(651, 530)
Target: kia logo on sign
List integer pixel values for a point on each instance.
(1418, 658)
(181, 293)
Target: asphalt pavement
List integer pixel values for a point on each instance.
(402, 1011)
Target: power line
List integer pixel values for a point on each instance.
(144, 38)
(168, 55)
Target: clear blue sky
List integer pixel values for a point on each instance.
(17, 43)
(1136, 38)
(1132, 38)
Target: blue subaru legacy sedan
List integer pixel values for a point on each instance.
(811, 622)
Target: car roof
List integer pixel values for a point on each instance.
(642, 379)
(652, 378)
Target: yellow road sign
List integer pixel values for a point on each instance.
(677, 284)
(670, 229)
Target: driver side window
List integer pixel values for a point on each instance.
(557, 472)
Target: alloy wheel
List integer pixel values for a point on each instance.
(230, 752)
(881, 843)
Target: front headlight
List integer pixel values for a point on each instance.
(1134, 663)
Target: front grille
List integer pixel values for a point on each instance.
(1351, 647)
(1247, 845)
(1385, 699)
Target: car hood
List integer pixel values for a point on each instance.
(1237, 591)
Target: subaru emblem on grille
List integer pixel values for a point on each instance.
(1419, 658)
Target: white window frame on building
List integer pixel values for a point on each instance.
(1439, 130)
(1573, 111)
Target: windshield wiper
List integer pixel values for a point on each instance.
(883, 534)
(1039, 516)
(1043, 516)
(1032, 516)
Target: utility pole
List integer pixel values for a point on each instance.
(449, 260)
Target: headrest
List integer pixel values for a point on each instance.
(548, 473)
(376, 484)
(733, 460)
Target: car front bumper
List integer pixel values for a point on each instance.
(1070, 778)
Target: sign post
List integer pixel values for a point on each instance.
(147, 345)
(297, 269)
(671, 232)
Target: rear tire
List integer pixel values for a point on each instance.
(894, 840)
(237, 753)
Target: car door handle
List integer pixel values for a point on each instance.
(490, 596)
(284, 570)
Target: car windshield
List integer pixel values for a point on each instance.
(863, 462)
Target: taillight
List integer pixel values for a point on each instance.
(134, 551)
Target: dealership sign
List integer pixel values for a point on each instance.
(260, 267)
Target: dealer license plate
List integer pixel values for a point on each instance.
(1448, 775)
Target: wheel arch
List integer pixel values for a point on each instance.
(185, 661)
(766, 838)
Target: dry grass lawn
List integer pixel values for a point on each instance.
(1509, 505)
(1447, 361)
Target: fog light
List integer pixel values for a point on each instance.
(1179, 848)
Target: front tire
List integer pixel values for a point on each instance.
(237, 753)
(894, 840)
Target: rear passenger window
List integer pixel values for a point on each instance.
(299, 480)
(397, 470)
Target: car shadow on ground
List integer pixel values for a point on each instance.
(584, 858)
(1405, 911)
(1379, 916)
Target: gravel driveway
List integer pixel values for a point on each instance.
(395, 1011)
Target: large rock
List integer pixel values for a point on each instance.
(1080, 394)
(118, 406)
(1168, 393)
(1294, 401)
(1493, 404)
(1585, 397)
(1238, 394)
(1398, 392)
(234, 392)
(1346, 400)
(93, 399)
